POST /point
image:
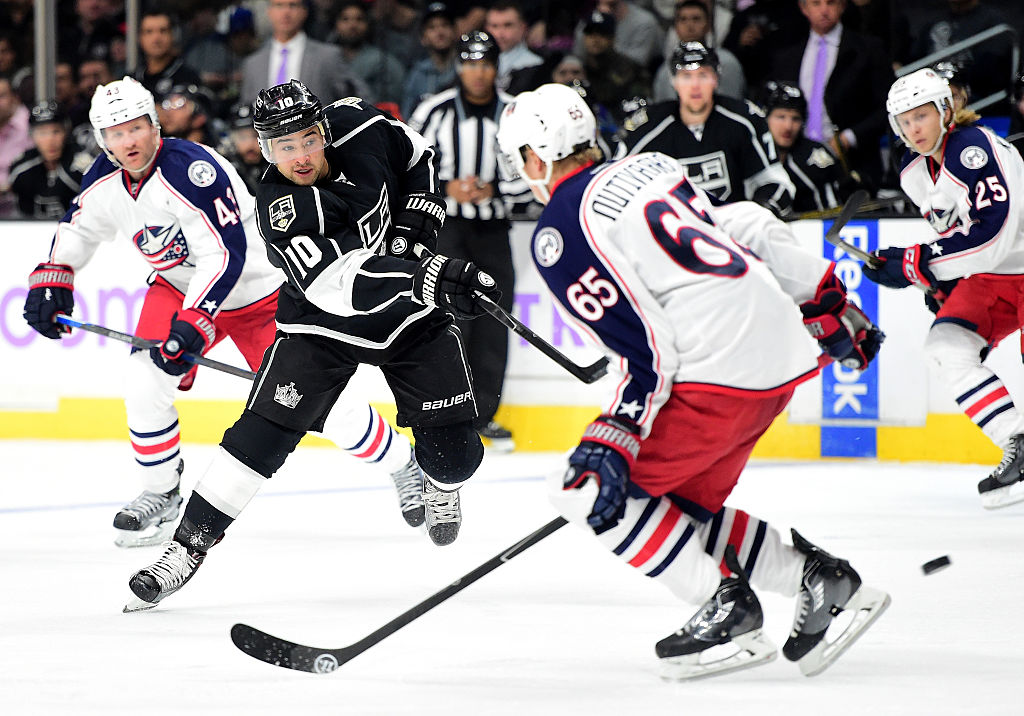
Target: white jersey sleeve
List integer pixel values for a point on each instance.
(86, 224)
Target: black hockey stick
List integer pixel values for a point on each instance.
(288, 654)
(147, 344)
(851, 207)
(873, 205)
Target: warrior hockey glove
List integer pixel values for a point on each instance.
(452, 284)
(902, 267)
(417, 223)
(192, 331)
(840, 328)
(50, 289)
(606, 453)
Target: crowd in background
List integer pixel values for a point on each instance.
(198, 59)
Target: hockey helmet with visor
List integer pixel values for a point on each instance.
(693, 55)
(283, 116)
(118, 102)
(477, 46)
(917, 89)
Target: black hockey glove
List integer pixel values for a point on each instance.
(417, 223)
(606, 453)
(840, 328)
(50, 291)
(899, 268)
(192, 331)
(452, 284)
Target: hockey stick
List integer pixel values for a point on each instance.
(586, 373)
(873, 205)
(147, 344)
(289, 655)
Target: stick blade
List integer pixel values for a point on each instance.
(281, 652)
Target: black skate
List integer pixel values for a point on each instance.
(498, 438)
(724, 636)
(829, 587)
(164, 577)
(1005, 485)
(149, 518)
(443, 513)
(409, 484)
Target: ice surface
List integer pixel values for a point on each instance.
(322, 556)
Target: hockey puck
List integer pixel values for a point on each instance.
(936, 564)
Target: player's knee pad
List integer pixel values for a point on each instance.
(449, 454)
(148, 393)
(950, 345)
(259, 444)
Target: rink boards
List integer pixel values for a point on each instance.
(895, 410)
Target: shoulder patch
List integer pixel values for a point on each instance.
(974, 157)
(548, 247)
(821, 158)
(201, 173)
(282, 212)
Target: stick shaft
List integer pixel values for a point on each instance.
(145, 344)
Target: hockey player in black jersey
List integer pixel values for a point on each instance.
(819, 178)
(723, 144)
(350, 198)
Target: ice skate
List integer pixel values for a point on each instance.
(498, 438)
(164, 577)
(829, 587)
(724, 636)
(443, 513)
(409, 484)
(149, 518)
(1005, 485)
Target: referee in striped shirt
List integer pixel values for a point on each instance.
(461, 123)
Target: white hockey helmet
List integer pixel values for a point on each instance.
(919, 88)
(553, 120)
(120, 101)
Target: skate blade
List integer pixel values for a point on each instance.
(154, 534)
(137, 605)
(754, 649)
(867, 604)
(1003, 496)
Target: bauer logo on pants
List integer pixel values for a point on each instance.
(282, 212)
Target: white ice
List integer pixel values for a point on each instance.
(323, 557)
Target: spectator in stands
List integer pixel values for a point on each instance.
(184, 112)
(10, 63)
(723, 144)
(49, 175)
(90, 35)
(436, 71)
(291, 54)
(17, 18)
(241, 39)
(637, 32)
(613, 77)
(844, 77)
(162, 66)
(885, 20)
(568, 70)
(65, 86)
(207, 51)
(379, 70)
(985, 65)
(692, 23)
(818, 177)
(504, 22)
(461, 123)
(242, 147)
(758, 30)
(14, 140)
(395, 23)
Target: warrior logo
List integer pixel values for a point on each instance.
(162, 246)
(325, 664)
(287, 396)
(282, 212)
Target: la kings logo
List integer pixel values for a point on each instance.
(710, 172)
(282, 213)
(375, 223)
(287, 396)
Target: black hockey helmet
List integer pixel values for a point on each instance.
(240, 116)
(783, 95)
(691, 55)
(285, 109)
(475, 46)
(46, 112)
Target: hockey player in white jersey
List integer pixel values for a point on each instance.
(685, 298)
(189, 215)
(969, 184)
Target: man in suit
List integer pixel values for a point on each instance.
(291, 54)
(845, 77)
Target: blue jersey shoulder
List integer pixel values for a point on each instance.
(968, 150)
(192, 170)
(101, 167)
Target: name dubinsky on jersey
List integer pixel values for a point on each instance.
(732, 156)
(635, 257)
(973, 201)
(191, 218)
(330, 238)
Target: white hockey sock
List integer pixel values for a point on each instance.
(361, 432)
(229, 485)
(152, 422)
(976, 389)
